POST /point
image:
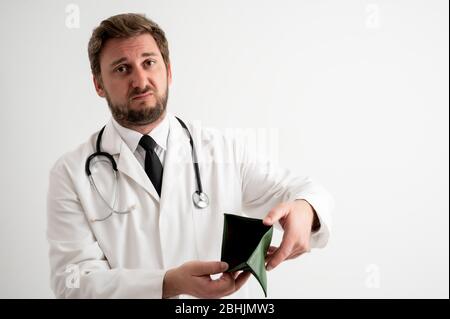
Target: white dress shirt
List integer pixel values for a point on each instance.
(160, 134)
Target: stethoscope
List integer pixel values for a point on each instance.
(199, 198)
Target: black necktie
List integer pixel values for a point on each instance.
(153, 166)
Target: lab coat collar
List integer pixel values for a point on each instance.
(111, 141)
(127, 162)
(159, 134)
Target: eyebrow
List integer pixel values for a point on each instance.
(123, 59)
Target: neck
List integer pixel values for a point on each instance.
(145, 128)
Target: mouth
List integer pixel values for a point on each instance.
(141, 96)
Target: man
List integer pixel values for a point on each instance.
(139, 234)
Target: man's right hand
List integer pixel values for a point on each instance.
(194, 278)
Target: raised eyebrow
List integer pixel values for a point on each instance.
(114, 63)
(147, 54)
(123, 59)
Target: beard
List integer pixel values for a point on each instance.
(145, 114)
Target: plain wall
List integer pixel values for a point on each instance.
(356, 92)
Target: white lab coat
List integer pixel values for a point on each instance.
(127, 256)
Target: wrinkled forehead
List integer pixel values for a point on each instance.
(129, 48)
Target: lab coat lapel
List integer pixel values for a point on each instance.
(177, 161)
(176, 223)
(126, 160)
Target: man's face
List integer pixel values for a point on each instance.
(134, 80)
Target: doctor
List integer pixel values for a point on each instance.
(138, 231)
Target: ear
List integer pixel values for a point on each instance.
(169, 74)
(98, 86)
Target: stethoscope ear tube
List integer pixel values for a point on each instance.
(194, 159)
(199, 198)
(98, 152)
(92, 156)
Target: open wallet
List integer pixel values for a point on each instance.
(244, 246)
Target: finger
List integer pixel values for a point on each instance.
(281, 254)
(230, 282)
(202, 268)
(295, 255)
(270, 252)
(234, 274)
(220, 287)
(275, 214)
(241, 279)
(291, 243)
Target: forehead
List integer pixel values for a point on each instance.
(128, 47)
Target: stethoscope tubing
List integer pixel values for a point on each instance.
(199, 198)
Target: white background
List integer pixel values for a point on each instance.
(357, 91)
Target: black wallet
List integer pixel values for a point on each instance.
(244, 246)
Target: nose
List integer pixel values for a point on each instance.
(139, 79)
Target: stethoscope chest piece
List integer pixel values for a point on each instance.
(200, 199)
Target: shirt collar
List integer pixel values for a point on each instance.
(160, 134)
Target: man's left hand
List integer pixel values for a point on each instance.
(297, 219)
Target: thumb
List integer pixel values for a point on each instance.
(201, 268)
(276, 214)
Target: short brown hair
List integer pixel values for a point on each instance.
(124, 26)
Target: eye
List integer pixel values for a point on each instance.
(121, 69)
(149, 62)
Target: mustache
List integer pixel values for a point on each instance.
(138, 91)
